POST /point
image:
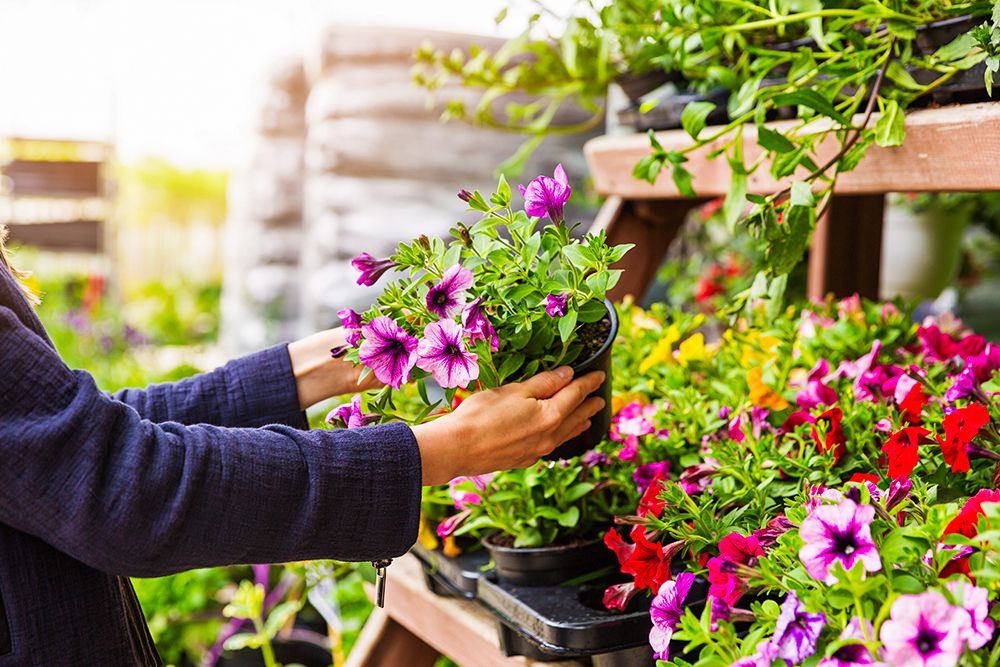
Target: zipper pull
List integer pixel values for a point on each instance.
(380, 577)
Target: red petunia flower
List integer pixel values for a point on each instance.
(650, 503)
(861, 478)
(833, 438)
(902, 450)
(912, 406)
(960, 427)
(707, 288)
(648, 563)
(968, 517)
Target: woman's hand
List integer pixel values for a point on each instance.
(318, 375)
(509, 427)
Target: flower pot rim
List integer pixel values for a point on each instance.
(533, 550)
(603, 349)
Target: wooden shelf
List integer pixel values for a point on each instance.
(949, 149)
(416, 626)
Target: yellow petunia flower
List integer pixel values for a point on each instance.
(692, 349)
(758, 349)
(451, 548)
(663, 350)
(425, 535)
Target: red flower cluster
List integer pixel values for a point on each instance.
(960, 427)
(912, 406)
(648, 562)
(966, 523)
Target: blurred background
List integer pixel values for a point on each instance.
(188, 181)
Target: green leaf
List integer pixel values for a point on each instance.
(648, 106)
(802, 194)
(592, 311)
(567, 325)
(890, 130)
(570, 517)
(510, 365)
(616, 253)
(773, 140)
(683, 180)
(503, 191)
(736, 201)
(579, 256)
(905, 583)
(694, 117)
(578, 491)
(902, 78)
(813, 100)
(280, 615)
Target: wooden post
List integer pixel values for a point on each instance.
(847, 248)
(651, 226)
(386, 643)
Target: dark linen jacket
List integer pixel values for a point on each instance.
(217, 469)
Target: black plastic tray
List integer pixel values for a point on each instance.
(559, 622)
(451, 577)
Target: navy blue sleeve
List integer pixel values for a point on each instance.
(255, 390)
(128, 496)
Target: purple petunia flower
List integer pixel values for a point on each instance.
(477, 326)
(666, 611)
(838, 533)
(351, 321)
(594, 459)
(768, 536)
(388, 350)
(370, 269)
(350, 414)
(964, 386)
(546, 196)
(442, 353)
(766, 654)
(923, 630)
(556, 305)
(797, 630)
(976, 602)
(854, 654)
(721, 611)
(447, 298)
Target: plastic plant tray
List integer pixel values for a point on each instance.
(452, 577)
(557, 622)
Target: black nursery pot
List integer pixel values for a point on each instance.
(549, 566)
(601, 422)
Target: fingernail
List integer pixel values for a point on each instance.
(602, 375)
(565, 372)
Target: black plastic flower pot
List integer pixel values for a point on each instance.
(601, 422)
(286, 652)
(965, 86)
(550, 623)
(635, 86)
(451, 576)
(548, 566)
(667, 114)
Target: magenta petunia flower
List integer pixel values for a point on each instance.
(797, 630)
(556, 305)
(370, 269)
(854, 654)
(442, 353)
(976, 602)
(720, 610)
(477, 325)
(447, 298)
(666, 611)
(452, 523)
(964, 386)
(388, 350)
(647, 472)
(923, 630)
(350, 414)
(768, 536)
(899, 490)
(816, 393)
(838, 533)
(546, 196)
(351, 321)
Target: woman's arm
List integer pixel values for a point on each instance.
(255, 390)
(125, 495)
(273, 386)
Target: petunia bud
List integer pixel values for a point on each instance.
(465, 195)
(899, 489)
(339, 351)
(370, 269)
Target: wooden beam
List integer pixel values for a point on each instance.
(949, 149)
(457, 628)
(386, 643)
(70, 236)
(44, 178)
(651, 226)
(847, 248)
